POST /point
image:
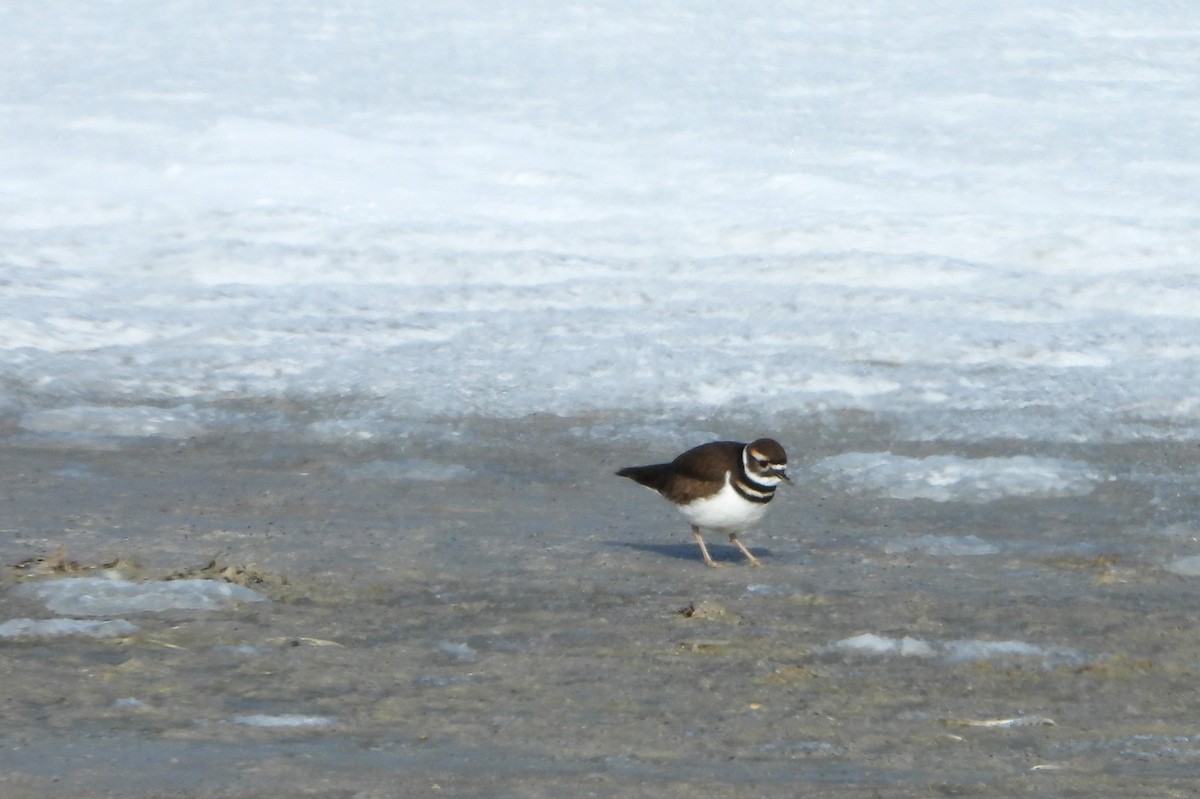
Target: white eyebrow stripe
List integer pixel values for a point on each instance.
(758, 458)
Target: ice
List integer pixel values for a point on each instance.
(1187, 566)
(955, 651)
(473, 209)
(413, 469)
(100, 596)
(871, 643)
(1188, 530)
(180, 422)
(942, 545)
(1159, 747)
(764, 589)
(969, 651)
(248, 650)
(460, 652)
(286, 720)
(56, 628)
(946, 478)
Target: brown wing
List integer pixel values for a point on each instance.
(709, 461)
(663, 479)
(690, 476)
(698, 470)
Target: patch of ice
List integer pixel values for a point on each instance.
(76, 472)
(241, 649)
(871, 643)
(800, 748)
(441, 680)
(854, 385)
(461, 652)
(942, 546)
(947, 478)
(1187, 530)
(868, 642)
(57, 628)
(285, 720)
(99, 596)
(915, 647)
(414, 469)
(764, 589)
(966, 651)
(124, 422)
(1160, 747)
(955, 651)
(1188, 566)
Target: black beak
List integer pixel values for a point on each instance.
(781, 473)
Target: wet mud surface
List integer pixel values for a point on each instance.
(533, 626)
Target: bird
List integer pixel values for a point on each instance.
(722, 486)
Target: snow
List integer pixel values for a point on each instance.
(871, 643)
(955, 651)
(941, 545)
(418, 469)
(57, 628)
(459, 652)
(111, 596)
(1188, 566)
(180, 422)
(102, 596)
(285, 720)
(969, 221)
(947, 478)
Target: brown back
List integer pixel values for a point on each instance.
(699, 472)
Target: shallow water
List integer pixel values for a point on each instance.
(498, 615)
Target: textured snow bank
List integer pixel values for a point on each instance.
(945, 478)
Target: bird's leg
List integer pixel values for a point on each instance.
(753, 560)
(703, 549)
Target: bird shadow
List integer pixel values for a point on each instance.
(721, 553)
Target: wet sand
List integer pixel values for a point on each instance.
(517, 631)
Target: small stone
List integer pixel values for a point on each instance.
(705, 611)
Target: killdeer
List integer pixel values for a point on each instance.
(723, 486)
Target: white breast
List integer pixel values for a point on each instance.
(724, 512)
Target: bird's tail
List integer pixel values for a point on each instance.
(653, 476)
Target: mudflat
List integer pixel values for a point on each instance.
(495, 614)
